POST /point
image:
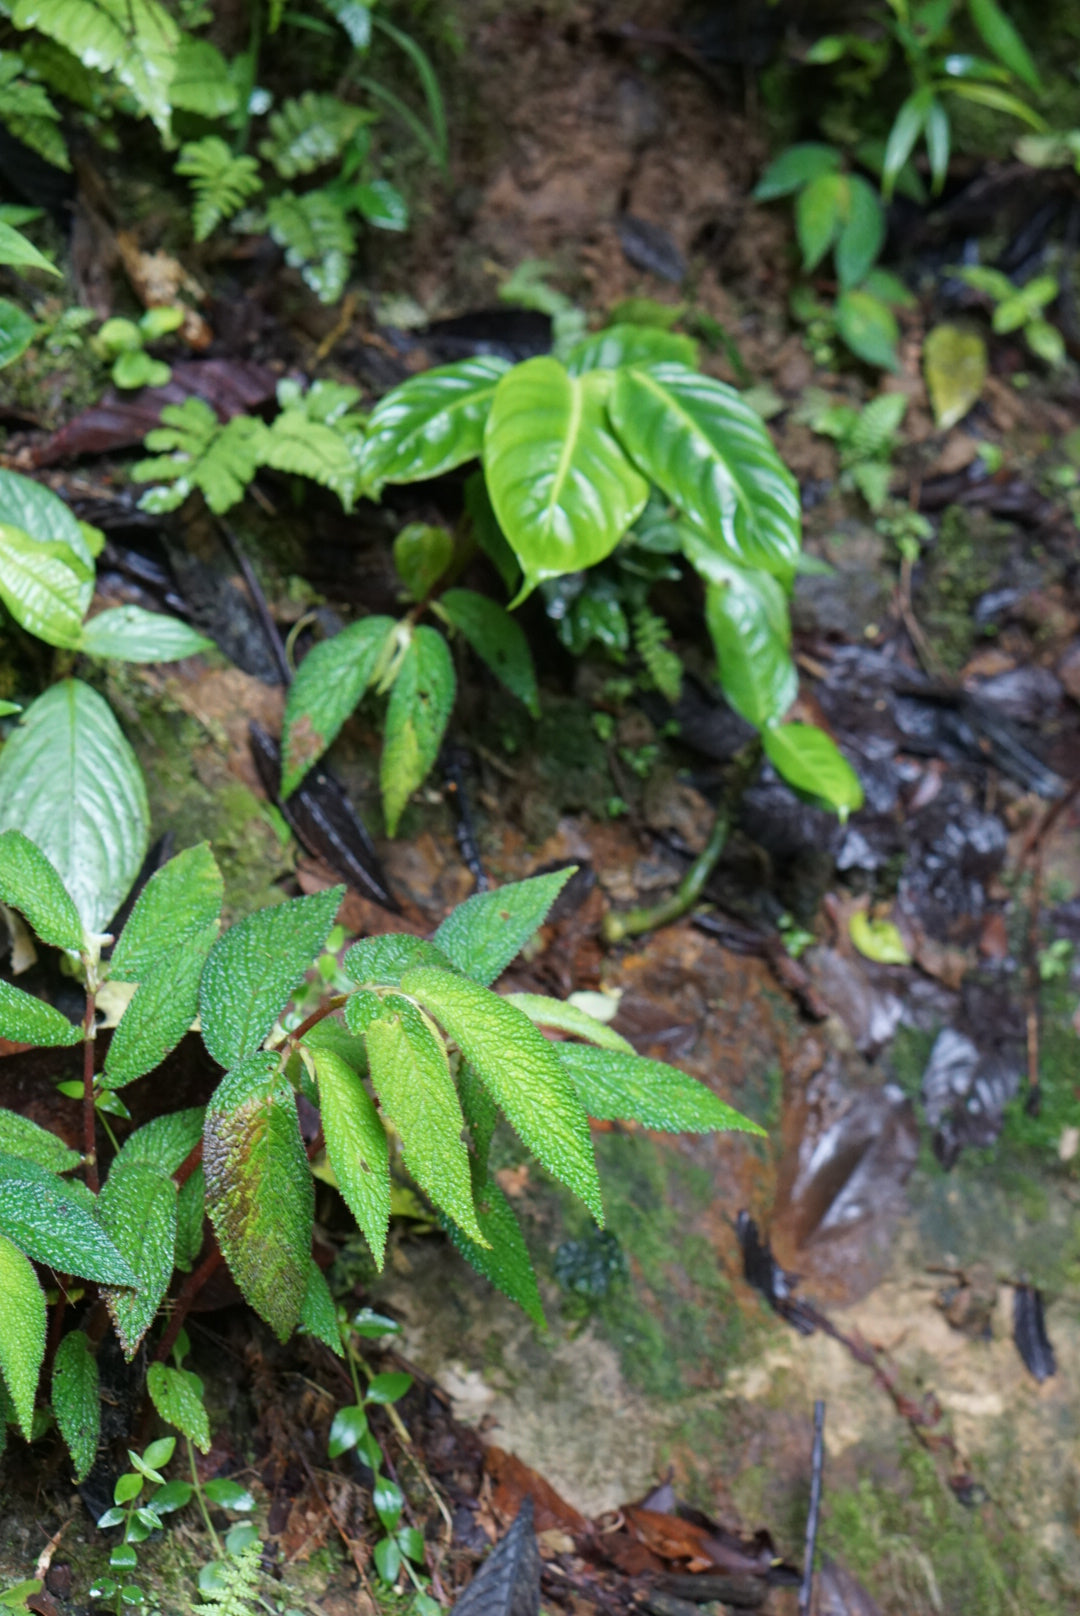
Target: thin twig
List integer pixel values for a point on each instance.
(185, 1296)
(93, 1179)
(817, 1466)
(259, 601)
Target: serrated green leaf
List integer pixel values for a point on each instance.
(166, 1140)
(811, 761)
(135, 39)
(22, 1332)
(747, 617)
(382, 960)
(711, 455)
(165, 1005)
(318, 1316)
(863, 233)
(563, 490)
(308, 131)
(421, 701)
(137, 1208)
(821, 212)
(619, 345)
(201, 81)
(317, 237)
(256, 966)
(794, 168)
(483, 934)
(481, 1116)
(258, 1188)
(868, 327)
(1000, 36)
(356, 1145)
(613, 1085)
(177, 1394)
(504, 1261)
(27, 1020)
(19, 1136)
(17, 332)
(411, 1075)
(521, 1070)
(71, 783)
(48, 1219)
(328, 684)
(29, 883)
(190, 1213)
(131, 634)
(42, 586)
(431, 423)
(180, 900)
(498, 639)
(76, 1400)
(564, 1017)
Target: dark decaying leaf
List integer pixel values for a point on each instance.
(763, 1272)
(325, 822)
(1029, 1333)
(508, 1583)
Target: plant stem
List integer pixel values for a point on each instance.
(616, 927)
(215, 1540)
(313, 1020)
(93, 1181)
(188, 1165)
(186, 1295)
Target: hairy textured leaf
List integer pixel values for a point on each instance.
(137, 1208)
(308, 131)
(22, 1332)
(328, 684)
(255, 967)
(48, 1219)
(258, 1188)
(190, 1213)
(411, 1076)
(563, 490)
(863, 234)
(747, 617)
(504, 1260)
(177, 1396)
(131, 634)
(431, 423)
(710, 454)
(318, 1316)
(29, 884)
(27, 1020)
(76, 1400)
(317, 238)
(483, 934)
(179, 901)
(565, 1017)
(612, 1084)
(481, 1116)
(498, 639)
(629, 345)
(166, 1003)
(794, 168)
(812, 762)
(521, 1070)
(868, 327)
(383, 960)
(43, 586)
(71, 783)
(19, 1136)
(135, 39)
(356, 1145)
(221, 181)
(165, 1141)
(418, 712)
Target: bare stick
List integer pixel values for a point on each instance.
(817, 1465)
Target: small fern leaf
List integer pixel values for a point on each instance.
(662, 664)
(221, 182)
(872, 436)
(201, 82)
(317, 436)
(317, 238)
(199, 453)
(63, 73)
(237, 1591)
(872, 479)
(309, 131)
(135, 39)
(27, 111)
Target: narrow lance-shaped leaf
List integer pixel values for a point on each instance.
(318, 1316)
(181, 899)
(504, 1259)
(22, 1332)
(328, 684)
(813, 764)
(497, 638)
(49, 1220)
(356, 1145)
(27, 1020)
(565, 1017)
(29, 883)
(419, 709)
(131, 634)
(137, 1207)
(614, 1085)
(483, 934)
(76, 1400)
(431, 423)
(1000, 36)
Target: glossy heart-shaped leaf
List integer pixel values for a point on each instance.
(43, 587)
(431, 423)
(629, 345)
(747, 616)
(710, 454)
(563, 489)
(41, 513)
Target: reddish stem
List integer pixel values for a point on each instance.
(188, 1165)
(93, 1181)
(315, 1017)
(185, 1296)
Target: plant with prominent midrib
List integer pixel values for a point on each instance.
(410, 1070)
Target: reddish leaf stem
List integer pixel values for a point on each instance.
(185, 1296)
(313, 1020)
(93, 1180)
(188, 1165)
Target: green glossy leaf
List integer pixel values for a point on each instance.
(174, 1495)
(318, 1316)
(328, 684)
(938, 142)
(421, 555)
(748, 620)
(179, 901)
(49, 1220)
(794, 168)
(71, 783)
(564, 1017)
(381, 204)
(135, 39)
(908, 125)
(356, 1145)
(821, 212)
(177, 1394)
(30, 884)
(387, 1557)
(811, 761)
(137, 1208)
(1000, 36)
(505, 1260)
(137, 368)
(431, 423)
(562, 488)
(868, 327)
(388, 1388)
(228, 1494)
(131, 634)
(27, 1020)
(22, 1332)
(878, 939)
(483, 934)
(619, 345)
(258, 1188)
(383, 960)
(955, 365)
(41, 513)
(16, 249)
(19, 1136)
(373, 1326)
(411, 1076)
(613, 1085)
(863, 234)
(348, 1427)
(17, 332)
(498, 639)
(164, 1008)
(76, 1400)
(487, 532)
(421, 701)
(42, 586)
(521, 1070)
(711, 455)
(389, 1501)
(997, 99)
(255, 967)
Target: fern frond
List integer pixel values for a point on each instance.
(27, 111)
(221, 182)
(136, 40)
(201, 82)
(872, 436)
(310, 130)
(63, 73)
(193, 450)
(240, 1576)
(872, 479)
(317, 436)
(317, 237)
(663, 665)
